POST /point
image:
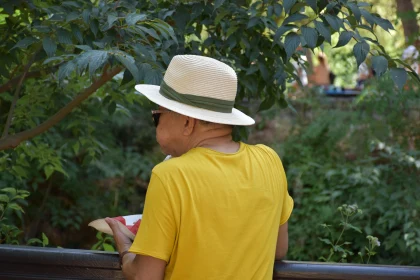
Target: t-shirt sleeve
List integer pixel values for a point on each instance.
(287, 199)
(157, 232)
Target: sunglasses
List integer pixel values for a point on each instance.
(156, 116)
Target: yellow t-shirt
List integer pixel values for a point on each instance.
(212, 215)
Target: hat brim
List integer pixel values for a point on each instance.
(234, 118)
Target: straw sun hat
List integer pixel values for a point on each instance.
(199, 87)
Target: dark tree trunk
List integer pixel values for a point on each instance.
(405, 11)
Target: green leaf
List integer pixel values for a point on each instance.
(15, 206)
(399, 76)
(263, 71)
(84, 47)
(86, 16)
(220, 16)
(360, 51)
(322, 4)
(4, 198)
(168, 28)
(354, 227)
(77, 33)
(333, 21)
(45, 240)
(33, 241)
(310, 35)
(153, 77)
(298, 7)
(23, 193)
(19, 171)
(344, 38)
(76, 147)
(384, 23)
(129, 63)
(252, 22)
(111, 19)
(330, 6)
(312, 4)
(94, 26)
(291, 43)
(12, 191)
(127, 77)
(218, 3)
(65, 70)
(325, 240)
(99, 236)
(112, 107)
(72, 16)
(108, 247)
(50, 46)
(278, 9)
(133, 18)
(71, 4)
(49, 170)
(363, 4)
(369, 18)
(267, 103)
(379, 64)
(64, 36)
(288, 4)
(294, 17)
(283, 29)
(324, 30)
(24, 43)
(355, 10)
(149, 31)
(232, 29)
(96, 60)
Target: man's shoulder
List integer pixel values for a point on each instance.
(266, 149)
(172, 164)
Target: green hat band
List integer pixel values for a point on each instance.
(208, 103)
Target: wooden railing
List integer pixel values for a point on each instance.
(22, 262)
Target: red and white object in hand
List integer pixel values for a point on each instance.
(129, 225)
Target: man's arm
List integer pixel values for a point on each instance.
(136, 267)
(282, 242)
(140, 267)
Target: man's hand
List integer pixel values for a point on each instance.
(121, 240)
(136, 266)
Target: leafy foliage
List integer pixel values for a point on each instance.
(363, 153)
(337, 246)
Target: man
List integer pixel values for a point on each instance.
(217, 209)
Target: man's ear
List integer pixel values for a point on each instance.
(189, 125)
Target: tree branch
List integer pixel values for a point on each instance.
(34, 74)
(13, 141)
(16, 97)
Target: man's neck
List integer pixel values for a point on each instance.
(215, 138)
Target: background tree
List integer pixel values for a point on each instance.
(408, 15)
